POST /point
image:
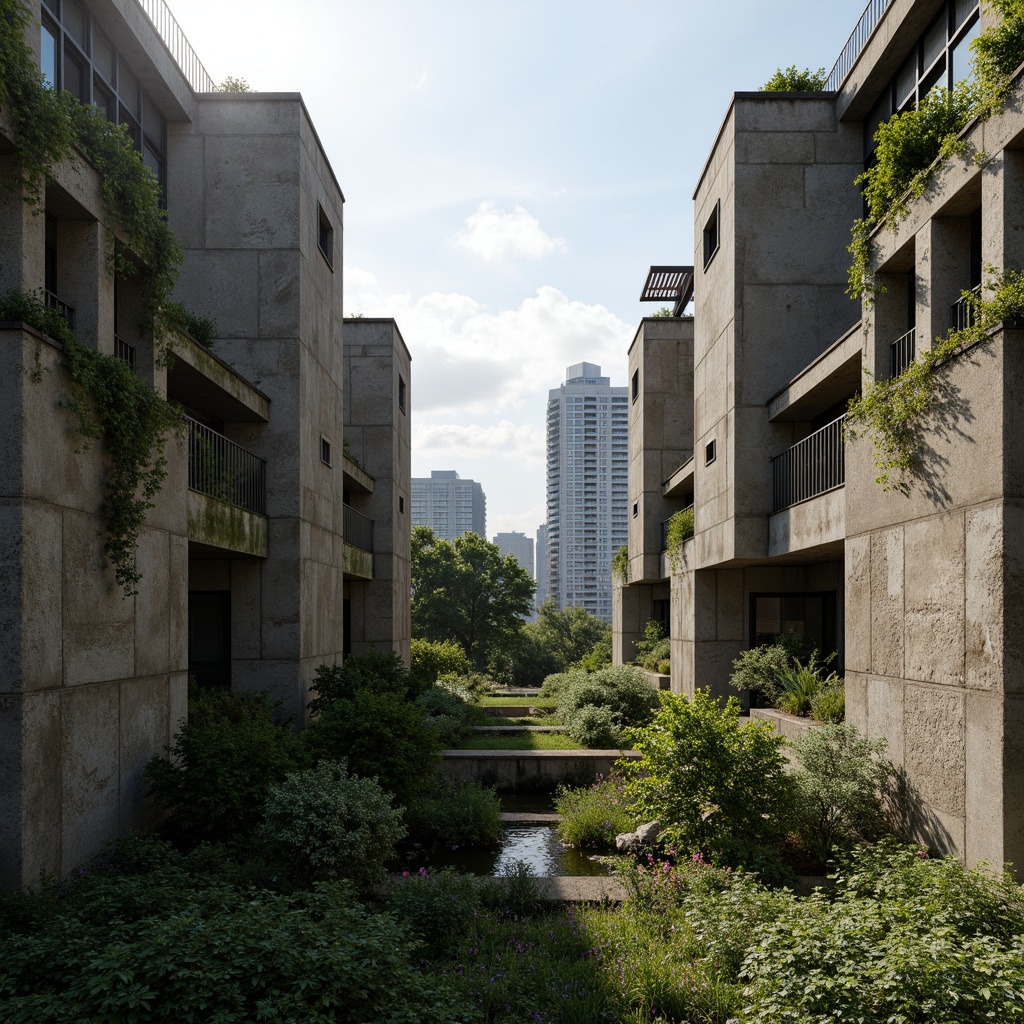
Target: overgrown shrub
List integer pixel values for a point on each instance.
(219, 954)
(514, 893)
(903, 938)
(654, 648)
(455, 814)
(381, 735)
(707, 779)
(757, 670)
(223, 762)
(595, 815)
(829, 704)
(839, 780)
(432, 659)
(327, 824)
(447, 706)
(438, 906)
(378, 671)
(596, 707)
(791, 79)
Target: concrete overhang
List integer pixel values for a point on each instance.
(680, 483)
(834, 376)
(356, 478)
(219, 529)
(199, 379)
(357, 563)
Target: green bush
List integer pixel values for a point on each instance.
(793, 80)
(29, 308)
(839, 780)
(223, 762)
(455, 814)
(438, 907)
(655, 646)
(594, 816)
(595, 707)
(218, 954)
(381, 735)
(903, 938)
(378, 671)
(327, 825)
(447, 707)
(829, 704)
(757, 670)
(432, 659)
(798, 686)
(514, 894)
(707, 779)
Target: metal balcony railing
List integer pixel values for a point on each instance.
(902, 352)
(358, 529)
(124, 351)
(178, 45)
(222, 469)
(855, 44)
(52, 302)
(811, 467)
(963, 314)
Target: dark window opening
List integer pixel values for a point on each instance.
(811, 617)
(401, 505)
(325, 451)
(710, 453)
(401, 394)
(711, 235)
(325, 238)
(636, 509)
(636, 385)
(209, 637)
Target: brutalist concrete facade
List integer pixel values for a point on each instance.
(251, 546)
(918, 592)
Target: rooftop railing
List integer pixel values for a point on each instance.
(222, 469)
(902, 352)
(855, 44)
(178, 46)
(358, 529)
(811, 467)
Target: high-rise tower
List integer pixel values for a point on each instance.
(449, 505)
(588, 468)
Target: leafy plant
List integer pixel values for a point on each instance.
(233, 84)
(327, 824)
(757, 669)
(596, 707)
(595, 815)
(223, 762)
(829, 704)
(431, 659)
(655, 646)
(620, 565)
(793, 80)
(839, 779)
(180, 318)
(29, 308)
(380, 671)
(893, 412)
(679, 530)
(438, 907)
(514, 893)
(447, 708)
(455, 814)
(798, 686)
(705, 778)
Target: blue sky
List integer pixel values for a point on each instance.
(511, 169)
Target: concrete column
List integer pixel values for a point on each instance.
(22, 238)
(943, 271)
(888, 320)
(1002, 194)
(84, 281)
(631, 608)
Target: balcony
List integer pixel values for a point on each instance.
(358, 544)
(856, 43)
(227, 494)
(52, 302)
(902, 352)
(124, 351)
(811, 467)
(963, 312)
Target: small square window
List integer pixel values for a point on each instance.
(401, 394)
(711, 235)
(325, 450)
(325, 237)
(709, 453)
(636, 385)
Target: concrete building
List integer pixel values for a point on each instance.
(519, 546)
(449, 505)
(542, 565)
(919, 590)
(587, 476)
(252, 549)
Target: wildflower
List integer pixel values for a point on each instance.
(698, 858)
(424, 873)
(405, 874)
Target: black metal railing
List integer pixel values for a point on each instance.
(124, 351)
(358, 529)
(52, 302)
(902, 352)
(855, 44)
(178, 45)
(964, 312)
(811, 467)
(222, 469)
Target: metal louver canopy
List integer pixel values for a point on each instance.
(669, 284)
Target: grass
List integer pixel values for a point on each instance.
(514, 702)
(519, 741)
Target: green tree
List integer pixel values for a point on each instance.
(792, 80)
(465, 590)
(570, 634)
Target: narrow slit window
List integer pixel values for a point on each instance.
(711, 235)
(325, 451)
(636, 385)
(401, 394)
(325, 237)
(710, 453)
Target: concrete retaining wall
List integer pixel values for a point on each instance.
(525, 770)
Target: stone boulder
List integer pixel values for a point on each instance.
(643, 837)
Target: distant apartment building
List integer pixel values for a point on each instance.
(519, 546)
(449, 505)
(541, 560)
(739, 414)
(587, 488)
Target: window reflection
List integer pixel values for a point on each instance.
(48, 55)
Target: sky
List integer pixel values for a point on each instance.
(511, 169)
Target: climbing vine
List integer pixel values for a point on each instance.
(620, 565)
(109, 400)
(679, 530)
(891, 412)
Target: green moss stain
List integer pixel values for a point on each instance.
(223, 525)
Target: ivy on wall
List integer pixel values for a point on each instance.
(679, 530)
(620, 565)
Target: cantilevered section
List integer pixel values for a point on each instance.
(669, 284)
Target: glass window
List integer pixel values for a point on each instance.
(103, 57)
(76, 77)
(961, 56)
(48, 54)
(128, 89)
(962, 10)
(75, 23)
(152, 121)
(104, 99)
(934, 41)
(906, 80)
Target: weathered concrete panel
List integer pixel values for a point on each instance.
(935, 747)
(887, 602)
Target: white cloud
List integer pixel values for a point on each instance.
(517, 522)
(495, 234)
(452, 442)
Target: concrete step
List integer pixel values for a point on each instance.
(517, 728)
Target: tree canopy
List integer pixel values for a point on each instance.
(466, 590)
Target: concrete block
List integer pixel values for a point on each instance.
(11, 622)
(279, 290)
(1013, 598)
(985, 764)
(144, 723)
(857, 700)
(984, 587)
(43, 827)
(42, 617)
(887, 602)
(224, 285)
(153, 604)
(934, 747)
(886, 715)
(858, 604)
